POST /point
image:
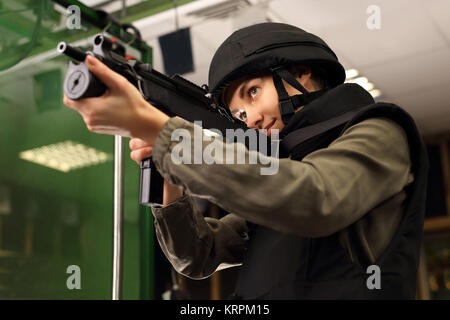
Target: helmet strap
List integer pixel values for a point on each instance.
(287, 103)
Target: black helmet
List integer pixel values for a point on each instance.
(273, 46)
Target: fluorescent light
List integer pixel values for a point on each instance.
(369, 86)
(375, 93)
(351, 73)
(65, 156)
(362, 81)
(352, 77)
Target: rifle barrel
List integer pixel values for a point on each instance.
(71, 51)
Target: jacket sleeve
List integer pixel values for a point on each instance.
(327, 191)
(196, 246)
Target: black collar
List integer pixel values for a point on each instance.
(334, 102)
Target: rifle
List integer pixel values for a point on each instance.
(175, 96)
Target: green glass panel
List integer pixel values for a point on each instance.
(50, 218)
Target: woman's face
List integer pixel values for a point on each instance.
(254, 100)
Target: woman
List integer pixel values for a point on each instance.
(347, 199)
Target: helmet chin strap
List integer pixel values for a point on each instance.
(287, 103)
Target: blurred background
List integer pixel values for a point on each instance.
(56, 177)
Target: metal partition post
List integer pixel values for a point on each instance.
(118, 220)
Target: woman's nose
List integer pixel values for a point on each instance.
(254, 118)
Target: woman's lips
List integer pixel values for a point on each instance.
(269, 126)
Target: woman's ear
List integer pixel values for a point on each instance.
(304, 77)
(298, 71)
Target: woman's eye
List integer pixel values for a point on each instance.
(240, 115)
(252, 92)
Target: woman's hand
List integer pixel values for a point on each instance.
(121, 110)
(140, 150)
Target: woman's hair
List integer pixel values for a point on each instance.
(318, 74)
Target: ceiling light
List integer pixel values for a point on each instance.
(65, 156)
(362, 81)
(369, 86)
(353, 76)
(375, 93)
(351, 73)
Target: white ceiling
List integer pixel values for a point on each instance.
(408, 58)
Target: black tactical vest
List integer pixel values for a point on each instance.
(285, 266)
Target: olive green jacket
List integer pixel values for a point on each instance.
(358, 181)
